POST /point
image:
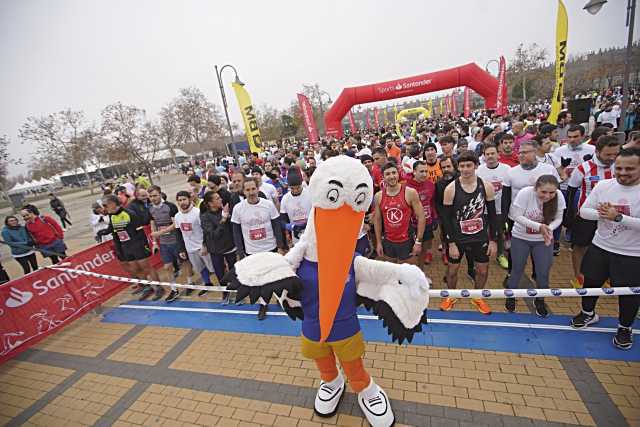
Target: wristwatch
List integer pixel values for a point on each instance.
(618, 218)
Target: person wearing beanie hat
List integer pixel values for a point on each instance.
(296, 205)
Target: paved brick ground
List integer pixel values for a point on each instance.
(96, 373)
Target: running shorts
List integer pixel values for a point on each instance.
(476, 250)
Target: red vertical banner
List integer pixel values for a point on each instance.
(307, 116)
(454, 102)
(367, 119)
(501, 103)
(375, 118)
(352, 122)
(467, 102)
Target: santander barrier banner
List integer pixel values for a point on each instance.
(41, 303)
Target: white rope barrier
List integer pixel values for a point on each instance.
(433, 293)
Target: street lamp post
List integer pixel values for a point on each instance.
(491, 61)
(226, 109)
(593, 7)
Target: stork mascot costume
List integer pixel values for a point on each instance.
(322, 280)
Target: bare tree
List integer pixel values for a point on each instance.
(527, 59)
(199, 120)
(60, 141)
(127, 132)
(270, 122)
(4, 160)
(168, 130)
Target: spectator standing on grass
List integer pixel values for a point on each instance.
(21, 244)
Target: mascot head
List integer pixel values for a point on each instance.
(341, 193)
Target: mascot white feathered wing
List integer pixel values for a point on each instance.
(322, 281)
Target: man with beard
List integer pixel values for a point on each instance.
(471, 226)
(507, 154)
(449, 173)
(495, 173)
(426, 192)
(379, 160)
(614, 254)
(395, 205)
(434, 171)
(583, 180)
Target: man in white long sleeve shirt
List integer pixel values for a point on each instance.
(615, 251)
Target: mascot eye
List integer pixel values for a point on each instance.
(360, 198)
(332, 195)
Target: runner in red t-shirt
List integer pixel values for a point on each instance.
(426, 193)
(395, 205)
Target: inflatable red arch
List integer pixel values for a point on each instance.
(469, 75)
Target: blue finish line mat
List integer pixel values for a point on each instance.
(516, 333)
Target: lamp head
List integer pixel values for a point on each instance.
(594, 6)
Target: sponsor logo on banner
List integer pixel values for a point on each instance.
(42, 302)
(249, 118)
(404, 86)
(18, 298)
(307, 116)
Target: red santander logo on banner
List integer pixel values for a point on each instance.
(38, 304)
(307, 116)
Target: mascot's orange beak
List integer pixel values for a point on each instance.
(337, 234)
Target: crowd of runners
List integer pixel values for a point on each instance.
(483, 189)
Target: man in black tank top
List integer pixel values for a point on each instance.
(469, 220)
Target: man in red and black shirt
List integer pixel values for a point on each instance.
(426, 193)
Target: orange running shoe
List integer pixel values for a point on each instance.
(447, 304)
(481, 305)
(428, 257)
(578, 282)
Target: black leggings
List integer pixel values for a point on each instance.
(63, 220)
(28, 263)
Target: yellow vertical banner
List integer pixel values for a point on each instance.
(430, 108)
(249, 117)
(441, 105)
(562, 28)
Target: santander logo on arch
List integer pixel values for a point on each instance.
(402, 86)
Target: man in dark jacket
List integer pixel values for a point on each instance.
(140, 205)
(58, 207)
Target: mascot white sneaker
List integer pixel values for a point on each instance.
(322, 280)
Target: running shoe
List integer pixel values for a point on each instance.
(582, 320)
(225, 298)
(262, 312)
(137, 289)
(447, 304)
(203, 292)
(159, 293)
(428, 257)
(606, 284)
(624, 338)
(578, 282)
(506, 281)
(188, 292)
(510, 304)
(173, 295)
(541, 308)
(147, 291)
(503, 261)
(556, 248)
(440, 247)
(445, 260)
(481, 305)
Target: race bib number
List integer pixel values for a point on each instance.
(427, 212)
(623, 209)
(532, 231)
(594, 180)
(123, 236)
(471, 226)
(186, 226)
(497, 185)
(258, 234)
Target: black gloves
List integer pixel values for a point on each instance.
(565, 161)
(587, 157)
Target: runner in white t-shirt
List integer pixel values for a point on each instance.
(295, 206)
(187, 220)
(537, 212)
(269, 190)
(496, 173)
(615, 251)
(576, 150)
(256, 227)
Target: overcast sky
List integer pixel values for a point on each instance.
(86, 54)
